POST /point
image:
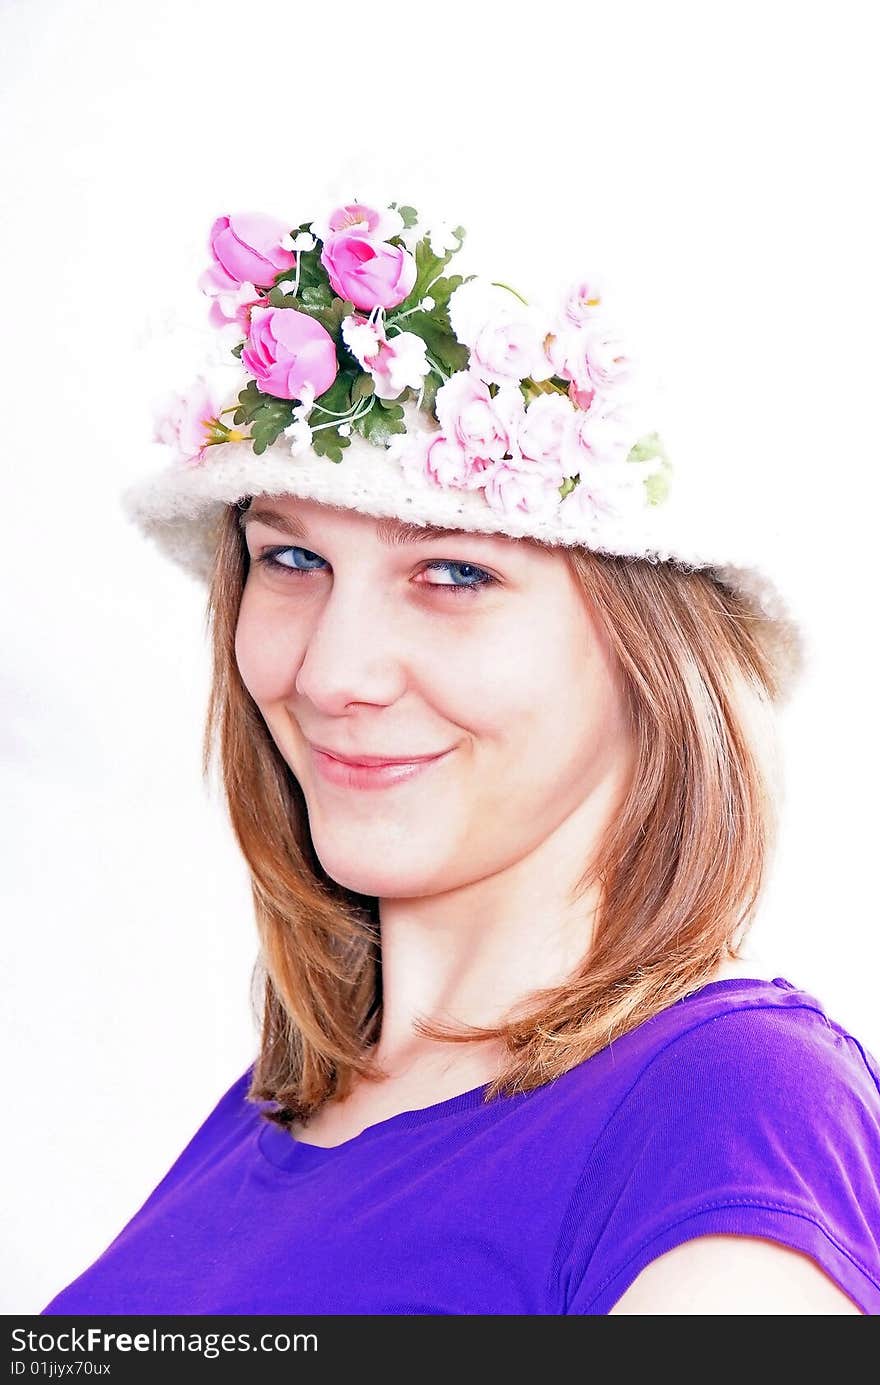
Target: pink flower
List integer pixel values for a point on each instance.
(368, 273)
(435, 458)
(480, 425)
(394, 363)
(288, 350)
(357, 216)
(233, 305)
(597, 437)
(582, 302)
(605, 494)
(509, 490)
(543, 431)
(505, 337)
(246, 249)
(190, 422)
(591, 356)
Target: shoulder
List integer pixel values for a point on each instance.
(742, 1157)
(726, 1275)
(750, 1059)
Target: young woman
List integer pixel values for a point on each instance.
(499, 750)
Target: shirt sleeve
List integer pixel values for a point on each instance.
(757, 1122)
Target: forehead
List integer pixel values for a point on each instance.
(290, 518)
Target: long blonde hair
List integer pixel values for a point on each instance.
(679, 869)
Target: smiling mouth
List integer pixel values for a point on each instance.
(385, 774)
(371, 761)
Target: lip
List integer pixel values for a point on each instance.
(371, 773)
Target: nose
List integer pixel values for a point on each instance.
(353, 649)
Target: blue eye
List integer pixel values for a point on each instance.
(269, 558)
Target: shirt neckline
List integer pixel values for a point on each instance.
(286, 1151)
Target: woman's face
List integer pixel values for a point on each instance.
(399, 649)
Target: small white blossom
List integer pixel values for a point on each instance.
(441, 239)
(301, 434)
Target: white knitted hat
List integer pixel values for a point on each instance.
(464, 407)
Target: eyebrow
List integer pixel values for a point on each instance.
(391, 532)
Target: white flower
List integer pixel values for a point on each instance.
(361, 338)
(393, 362)
(441, 239)
(301, 434)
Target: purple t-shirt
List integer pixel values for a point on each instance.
(742, 1108)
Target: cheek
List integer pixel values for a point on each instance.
(266, 652)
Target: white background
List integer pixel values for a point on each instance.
(719, 163)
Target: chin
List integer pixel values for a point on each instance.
(382, 872)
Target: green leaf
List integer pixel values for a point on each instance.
(657, 484)
(381, 423)
(429, 396)
(237, 350)
(409, 214)
(657, 487)
(266, 414)
(428, 267)
(362, 388)
(441, 342)
(328, 443)
(568, 486)
(331, 317)
(315, 296)
(647, 447)
(336, 399)
(277, 298)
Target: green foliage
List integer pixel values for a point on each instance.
(336, 399)
(657, 484)
(331, 317)
(568, 485)
(428, 267)
(382, 422)
(432, 384)
(328, 443)
(362, 388)
(439, 339)
(277, 298)
(409, 215)
(266, 415)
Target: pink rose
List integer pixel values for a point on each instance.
(246, 249)
(597, 437)
(435, 458)
(591, 356)
(357, 216)
(505, 337)
(288, 350)
(368, 273)
(543, 431)
(605, 494)
(510, 489)
(582, 302)
(480, 425)
(189, 422)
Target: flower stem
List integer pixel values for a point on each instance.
(497, 285)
